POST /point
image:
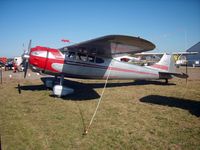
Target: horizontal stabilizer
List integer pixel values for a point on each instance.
(179, 75)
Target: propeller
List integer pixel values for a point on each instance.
(26, 59)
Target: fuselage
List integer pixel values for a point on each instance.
(81, 65)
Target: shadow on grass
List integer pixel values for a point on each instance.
(81, 91)
(154, 82)
(191, 105)
(85, 91)
(133, 83)
(32, 87)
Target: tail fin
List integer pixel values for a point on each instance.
(166, 67)
(166, 64)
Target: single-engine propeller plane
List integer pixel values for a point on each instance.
(94, 59)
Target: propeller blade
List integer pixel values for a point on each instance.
(26, 57)
(25, 69)
(29, 46)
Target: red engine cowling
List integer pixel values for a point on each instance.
(42, 58)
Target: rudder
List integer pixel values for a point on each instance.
(166, 64)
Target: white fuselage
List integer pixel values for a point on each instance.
(78, 65)
(106, 66)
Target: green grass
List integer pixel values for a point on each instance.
(131, 116)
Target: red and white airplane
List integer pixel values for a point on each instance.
(93, 59)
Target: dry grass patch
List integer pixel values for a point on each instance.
(132, 115)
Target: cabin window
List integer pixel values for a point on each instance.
(99, 60)
(82, 57)
(71, 55)
(91, 58)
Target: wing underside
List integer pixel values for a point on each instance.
(110, 45)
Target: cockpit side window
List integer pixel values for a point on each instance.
(91, 58)
(99, 60)
(71, 55)
(83, 57)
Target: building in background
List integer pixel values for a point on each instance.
(194, 60)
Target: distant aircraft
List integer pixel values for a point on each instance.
(93, 59)
(151, 58)
(127, 58)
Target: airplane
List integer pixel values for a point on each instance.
(94, 59)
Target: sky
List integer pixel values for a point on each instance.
(172, 25)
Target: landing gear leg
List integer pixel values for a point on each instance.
(166, 81)
(55, 80)
(61, 79)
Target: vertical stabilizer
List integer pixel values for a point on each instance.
(166, 64)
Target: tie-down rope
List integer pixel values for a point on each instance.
(99, 101)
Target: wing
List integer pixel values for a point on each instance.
(160, 54)
(110, 45)
(149, 54)
(185, 53)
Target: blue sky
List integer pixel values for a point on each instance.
(172, 25)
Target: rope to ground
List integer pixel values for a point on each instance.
(99, 101)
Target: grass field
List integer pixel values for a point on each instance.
(132, 115)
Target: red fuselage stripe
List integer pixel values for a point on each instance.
(160, 66)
